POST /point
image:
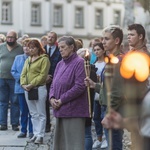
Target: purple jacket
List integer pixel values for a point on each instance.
(68, 85)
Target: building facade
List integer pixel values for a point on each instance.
(79, 18)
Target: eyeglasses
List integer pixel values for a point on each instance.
(10, 37)
(32, 48)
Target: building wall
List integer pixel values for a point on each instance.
(21, 17)
(143, 18)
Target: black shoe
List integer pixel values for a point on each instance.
(47, 129)
(31, 135)
(22, 135)
(31, 140)
(15, 127)
(3, 127)
(39, 140)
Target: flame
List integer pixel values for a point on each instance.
(106, 59)
(126, 73)
(113, 59)
(87, 53)
(137, 64)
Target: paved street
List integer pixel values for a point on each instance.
(9, 140)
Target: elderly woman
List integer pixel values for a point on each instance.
(16, 69)
(68, 97)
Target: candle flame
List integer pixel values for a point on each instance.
(111, 58)
(135, 64)
(87, 54)
(114, 60)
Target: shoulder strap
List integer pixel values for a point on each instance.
(27, 70)
(102, 74)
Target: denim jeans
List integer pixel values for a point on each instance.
(88, 138)
(117, 136)
(97, 119)
(6, 95)
(103, 112)
(25, 115)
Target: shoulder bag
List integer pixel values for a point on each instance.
(33, 93)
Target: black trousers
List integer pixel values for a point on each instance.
(146, 143)
(47, 106)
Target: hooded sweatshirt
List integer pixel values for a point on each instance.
(35, 73)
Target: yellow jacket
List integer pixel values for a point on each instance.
(35, 73)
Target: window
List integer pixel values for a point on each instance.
(36, 14)
(117, 17)
(57, 20)
(79, 19)
(6, 12)
(99, 19)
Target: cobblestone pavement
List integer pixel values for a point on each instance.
(126, 139)
(9, 140)
(49, 139)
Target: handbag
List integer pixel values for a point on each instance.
(33, 94)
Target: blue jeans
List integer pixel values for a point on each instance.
(88, 138)
(103, 113)
(25, 116)
(6, 95)
(117, 136)
(97, 119)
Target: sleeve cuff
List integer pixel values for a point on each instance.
(97, 87)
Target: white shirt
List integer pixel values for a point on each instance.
(99, 66)
(52, 49)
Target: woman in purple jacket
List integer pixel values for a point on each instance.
(68, 97)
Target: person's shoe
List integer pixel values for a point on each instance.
(47, 129)
(31, 135)
(15, 127)
(3, 127)
(39, 140)
(22, 135)
(96, 144)
(31, 140)
(104, 144)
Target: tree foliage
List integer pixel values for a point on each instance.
(145, 4)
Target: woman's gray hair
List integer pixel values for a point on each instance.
(69, 40)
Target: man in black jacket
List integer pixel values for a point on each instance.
(54, 56)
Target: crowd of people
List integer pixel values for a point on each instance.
(36, 74)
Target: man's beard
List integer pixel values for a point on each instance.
(11, 43)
